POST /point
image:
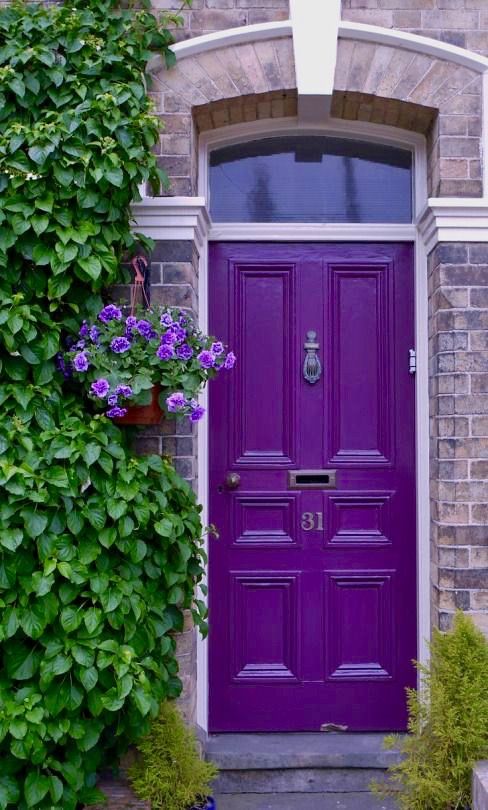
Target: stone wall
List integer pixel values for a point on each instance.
(207, 16)
(460, 22)
(458, 336)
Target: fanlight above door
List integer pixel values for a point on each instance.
(311, 178)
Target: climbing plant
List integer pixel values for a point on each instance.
(99, 550)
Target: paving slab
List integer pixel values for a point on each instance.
(301, 801)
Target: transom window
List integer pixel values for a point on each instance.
(310, 179)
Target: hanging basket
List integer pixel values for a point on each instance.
(151, 414)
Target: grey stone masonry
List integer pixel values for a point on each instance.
(458, 339)
(460, 22)
(207, 16)
(480, 786)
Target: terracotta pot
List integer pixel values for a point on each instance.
(151, 414)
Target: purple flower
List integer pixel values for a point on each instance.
(80, 344)
(80, 361)
(113, 399)
(130, 322)
(206, 359)
(197, 413)
(94, 334)
(124, 391)
(110, 313)
(169, 338)
(165, 352)
(100, 388)
(59, 362)
(184, 352)
(84, 330)
(178, 333)
(120, 344)
(166, 319)
(217, 348)
(115, 412)
(145, 329)
(176, 401)
(230, 360)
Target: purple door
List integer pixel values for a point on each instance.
(312, 487)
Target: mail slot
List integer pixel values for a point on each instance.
(312, 479)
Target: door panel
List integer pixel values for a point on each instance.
(312, 591)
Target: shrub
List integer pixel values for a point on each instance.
(170, 773)
(99, 551)
(448, 723)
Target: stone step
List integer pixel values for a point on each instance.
(317, 764)
(300, 801)
(298, 780)
(271, 751)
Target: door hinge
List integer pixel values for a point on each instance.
(412, 361)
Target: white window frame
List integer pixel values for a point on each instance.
(313, 232)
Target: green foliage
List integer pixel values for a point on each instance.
(99, 551)
(448, 723)
(170, 773)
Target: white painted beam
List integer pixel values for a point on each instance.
(315, 32)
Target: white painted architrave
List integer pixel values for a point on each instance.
(172, 218)
(449, 219)
(315, 26)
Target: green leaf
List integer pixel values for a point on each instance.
(35, 522)
(92, 619)
(116, 508)
(89, 678)
(142, 701)
(126, 526)
(91, 453)
(83, 656)
(96, 517)
(38, 154)
(56, 788)
(46, 202)
(164, 527)
(91, 266)
(36, 788)
(71, 618)
(64, 176)
(114, 176)
(9, 791)
(18, 728)
(11, 538)
(75, 520)
(33, 621)
(17, 86)
(39, 222)
(22, 662)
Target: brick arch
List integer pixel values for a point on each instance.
(383, 84)
(202, 87)
(442, 99)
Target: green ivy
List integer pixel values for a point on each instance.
(99, 550)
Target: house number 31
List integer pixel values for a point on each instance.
(312, 521)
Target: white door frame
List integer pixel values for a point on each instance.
(298, 232)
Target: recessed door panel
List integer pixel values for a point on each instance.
(263, 332)
(361, 363)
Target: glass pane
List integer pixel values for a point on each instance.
(310, 179)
